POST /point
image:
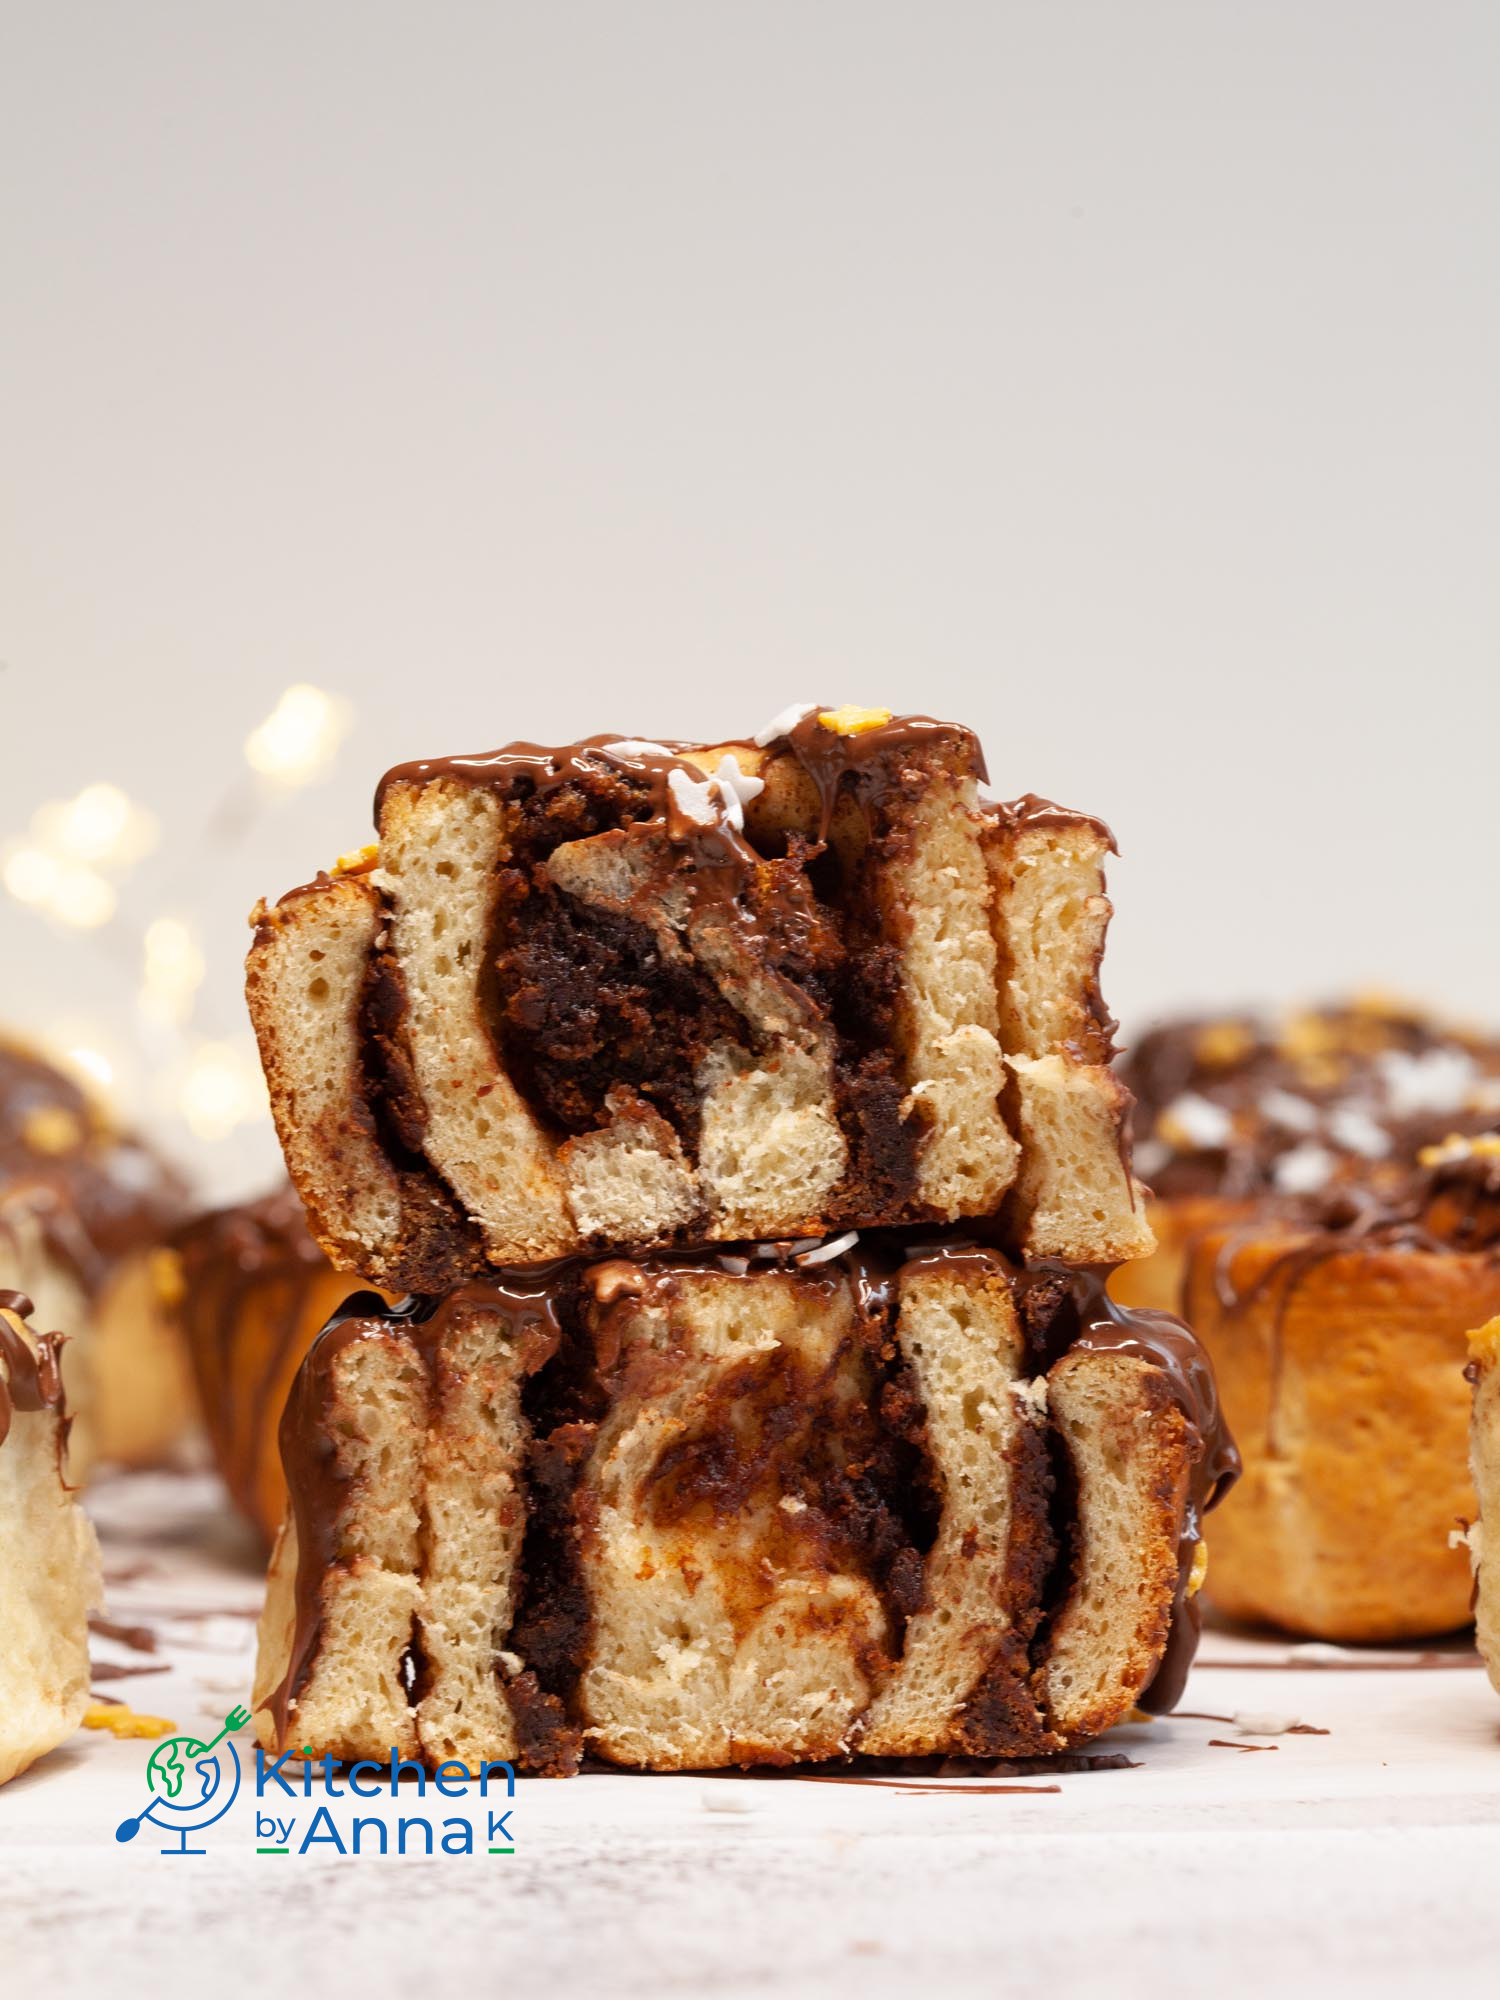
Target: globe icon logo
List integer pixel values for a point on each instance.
(192, 1784)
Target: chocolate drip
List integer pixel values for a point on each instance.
(535, 768)
(1449, 1207)
(33, 1376)
(526, 1300)
(830, 757)
(1170, 1346)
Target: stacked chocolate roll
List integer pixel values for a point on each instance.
(738, 1123)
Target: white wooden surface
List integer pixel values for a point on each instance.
(1366, 1860)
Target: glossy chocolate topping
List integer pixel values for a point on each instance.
(1032, 810)
(862, 759)
(32, 1379)
(1447, 1205)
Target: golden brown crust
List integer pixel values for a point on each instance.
(1341, 1373)
(1156, 1282)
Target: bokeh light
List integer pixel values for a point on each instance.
(221, 1088)
(300, 737)
(172, 972)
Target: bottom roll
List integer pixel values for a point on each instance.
(720, 1509)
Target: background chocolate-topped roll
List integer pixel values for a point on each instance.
(85, 1211)
(625, 994)
(1236, 1111)
(1338, 1327)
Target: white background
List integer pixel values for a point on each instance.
(1119, 378)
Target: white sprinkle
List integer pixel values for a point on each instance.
(1292, 1113)
(790, 1504)
(512, 1663)
(1357, 1132)
(736, 788)
(783, 724)
(694, 800)
(1201, 1122)
(1031, 1395)
(1304, 1169)
(735, 1266)
(632, 746)
(1249, 1723)
(1437, 1080)
(834, 1248)
(794, 1249)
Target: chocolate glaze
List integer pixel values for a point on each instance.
(1032, 810)
(862, 761)
(1061, 1309)
(1450, 1207)
(1332, 1060)
(33, 1376)
(528, 1302)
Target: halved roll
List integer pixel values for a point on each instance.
(49, 1558)
(626, 994)
(728, 1508)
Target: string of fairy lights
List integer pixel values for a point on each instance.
(68, 867)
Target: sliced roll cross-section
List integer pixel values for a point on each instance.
(716, 1509)
(628, 994)
(49, 1558)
